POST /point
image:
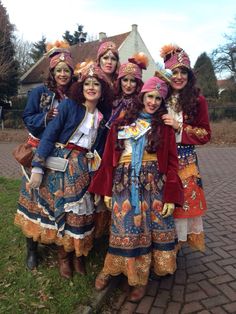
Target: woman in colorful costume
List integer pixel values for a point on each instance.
(76, 137)
(141, 185)
(188, 116)
(127, 88)
(40, 109)
(108, 60)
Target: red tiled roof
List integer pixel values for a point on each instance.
(224, 83)
(80, 52)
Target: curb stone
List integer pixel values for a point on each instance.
(99, 298)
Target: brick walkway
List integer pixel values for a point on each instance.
(203, 283)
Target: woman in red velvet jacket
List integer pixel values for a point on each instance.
(139, 180)
(188, 116)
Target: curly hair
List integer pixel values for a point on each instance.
(153, 136)
(188, 96)
(51, 84)
(105, 102)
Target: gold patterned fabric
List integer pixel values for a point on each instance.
(199, 132)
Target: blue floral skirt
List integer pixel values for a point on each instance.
(136, 247)
(61, 211)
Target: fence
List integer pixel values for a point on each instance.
(223, 112)
(13, 118)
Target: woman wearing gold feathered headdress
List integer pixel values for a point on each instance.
(40, 110)
(188, 116)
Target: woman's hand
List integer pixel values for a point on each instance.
(97, 199)
(51, 114)
(35, 180)
(168, 209)
(169, 120)
(108, 202)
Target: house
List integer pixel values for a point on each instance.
(128, 44)
(225, 85)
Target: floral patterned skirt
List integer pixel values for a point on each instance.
(133, 249)
(188, 219)
(61, 211)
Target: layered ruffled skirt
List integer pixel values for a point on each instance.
(188, 219)
(61, 211)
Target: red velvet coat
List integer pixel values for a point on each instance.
(167, 159)
(199, 131)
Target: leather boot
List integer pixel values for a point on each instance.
(137, 293)
(65, 263)
(32, 255)
(79, 264)
(102, 281)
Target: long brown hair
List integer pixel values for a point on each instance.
(51, 84)
(153, 136)
(188, 97)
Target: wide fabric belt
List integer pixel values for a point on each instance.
(76, 147)
(146, 157)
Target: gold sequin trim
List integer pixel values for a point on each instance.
(199, 132)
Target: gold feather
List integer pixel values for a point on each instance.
(57, 44)
(167, 49)
(141, 59)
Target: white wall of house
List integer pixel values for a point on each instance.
(134, 44)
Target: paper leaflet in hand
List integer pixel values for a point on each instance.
(134, 130)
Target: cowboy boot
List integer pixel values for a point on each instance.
(79, 264)
(65, 263)
(32, 255)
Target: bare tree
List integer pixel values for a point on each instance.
(23, 56)
(224, 57)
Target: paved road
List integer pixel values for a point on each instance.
(204, 282)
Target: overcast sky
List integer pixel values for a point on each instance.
(197, 28)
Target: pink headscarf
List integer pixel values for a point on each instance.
(106, 46)
(155, 83)
(174, 57)
(60, 55)
(129, 68)
(90, 69)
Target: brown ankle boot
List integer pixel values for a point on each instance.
(102, 281)
(137, 293)
(65, 263)
(79, 264)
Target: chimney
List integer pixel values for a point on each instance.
(102, 35)
(134, 28)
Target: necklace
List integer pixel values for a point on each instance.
(173, 102)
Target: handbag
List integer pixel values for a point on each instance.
(56, 163)
(24, 154)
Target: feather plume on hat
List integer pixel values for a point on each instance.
(51, 47)
(141, 59)
(88, 68)
(81, 67)
(59, 52)
(174, 56)
(168, 49)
